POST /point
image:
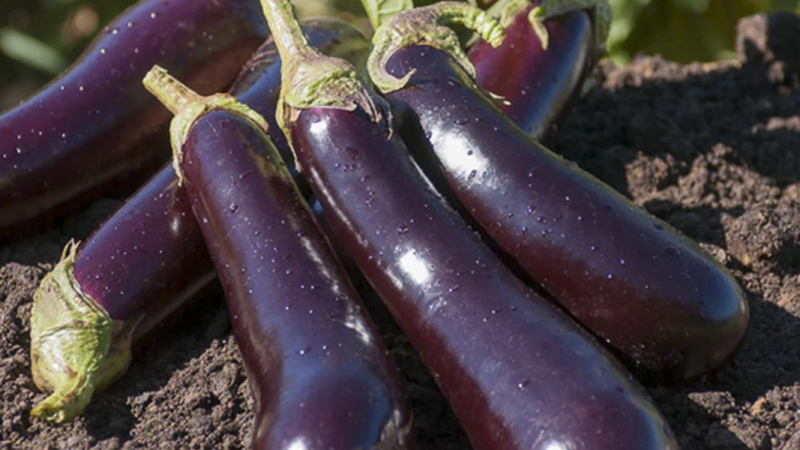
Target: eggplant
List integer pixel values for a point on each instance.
(518, 373)
(94, 128)
(536, 84)
(654, 296)
(144, 262)
(318, 370)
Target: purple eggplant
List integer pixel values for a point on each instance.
(319, 372)
(653, 295)
(537, 84)
(94, 128)
(518, 373)
(144, 262)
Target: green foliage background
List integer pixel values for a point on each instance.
(682, 30)
(39, 38)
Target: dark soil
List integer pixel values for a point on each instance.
(713, 149)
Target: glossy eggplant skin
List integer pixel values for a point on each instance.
(149, 257)
(665, 305)
(319, 373)
(538, 84)
(518, 373)
(95, 127)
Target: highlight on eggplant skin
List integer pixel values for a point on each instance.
(319, 372)
(94, 128)
(537, 85)
(517, 372)
(147, 259)
(653, 295)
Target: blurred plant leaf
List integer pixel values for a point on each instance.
(695, 6)
(379, 11)
(682, 30)
(31, 51)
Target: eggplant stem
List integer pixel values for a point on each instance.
(188, 106)
(286, 30)
(310, 79)
(170, 92)
(428, 26)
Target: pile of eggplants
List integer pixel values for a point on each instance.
(529, 326)
(148, 258)
(95, 129)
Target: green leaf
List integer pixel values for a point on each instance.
(30, 51)
(379, 11)
(694, 6)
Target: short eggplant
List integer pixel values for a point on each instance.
(319, 372)
(94, 128)
(518, 373)
(667, 307)
(536, 83)
(145, 261)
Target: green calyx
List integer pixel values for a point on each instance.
(320, 81)
(506, 10)
(188, 106)
(310, 79)
(76, 348)
(546, 9)
(350, 45)
(427, 26)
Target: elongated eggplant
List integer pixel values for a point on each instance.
(144, 262)
(95, 127)
(536, 83)
(320, 375)
(518, 373)
(652, 294)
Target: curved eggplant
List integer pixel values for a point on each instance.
(653, 295)
(518, 373)
(536, 84)
(94, 127)
(144, 262)
(319, 372)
